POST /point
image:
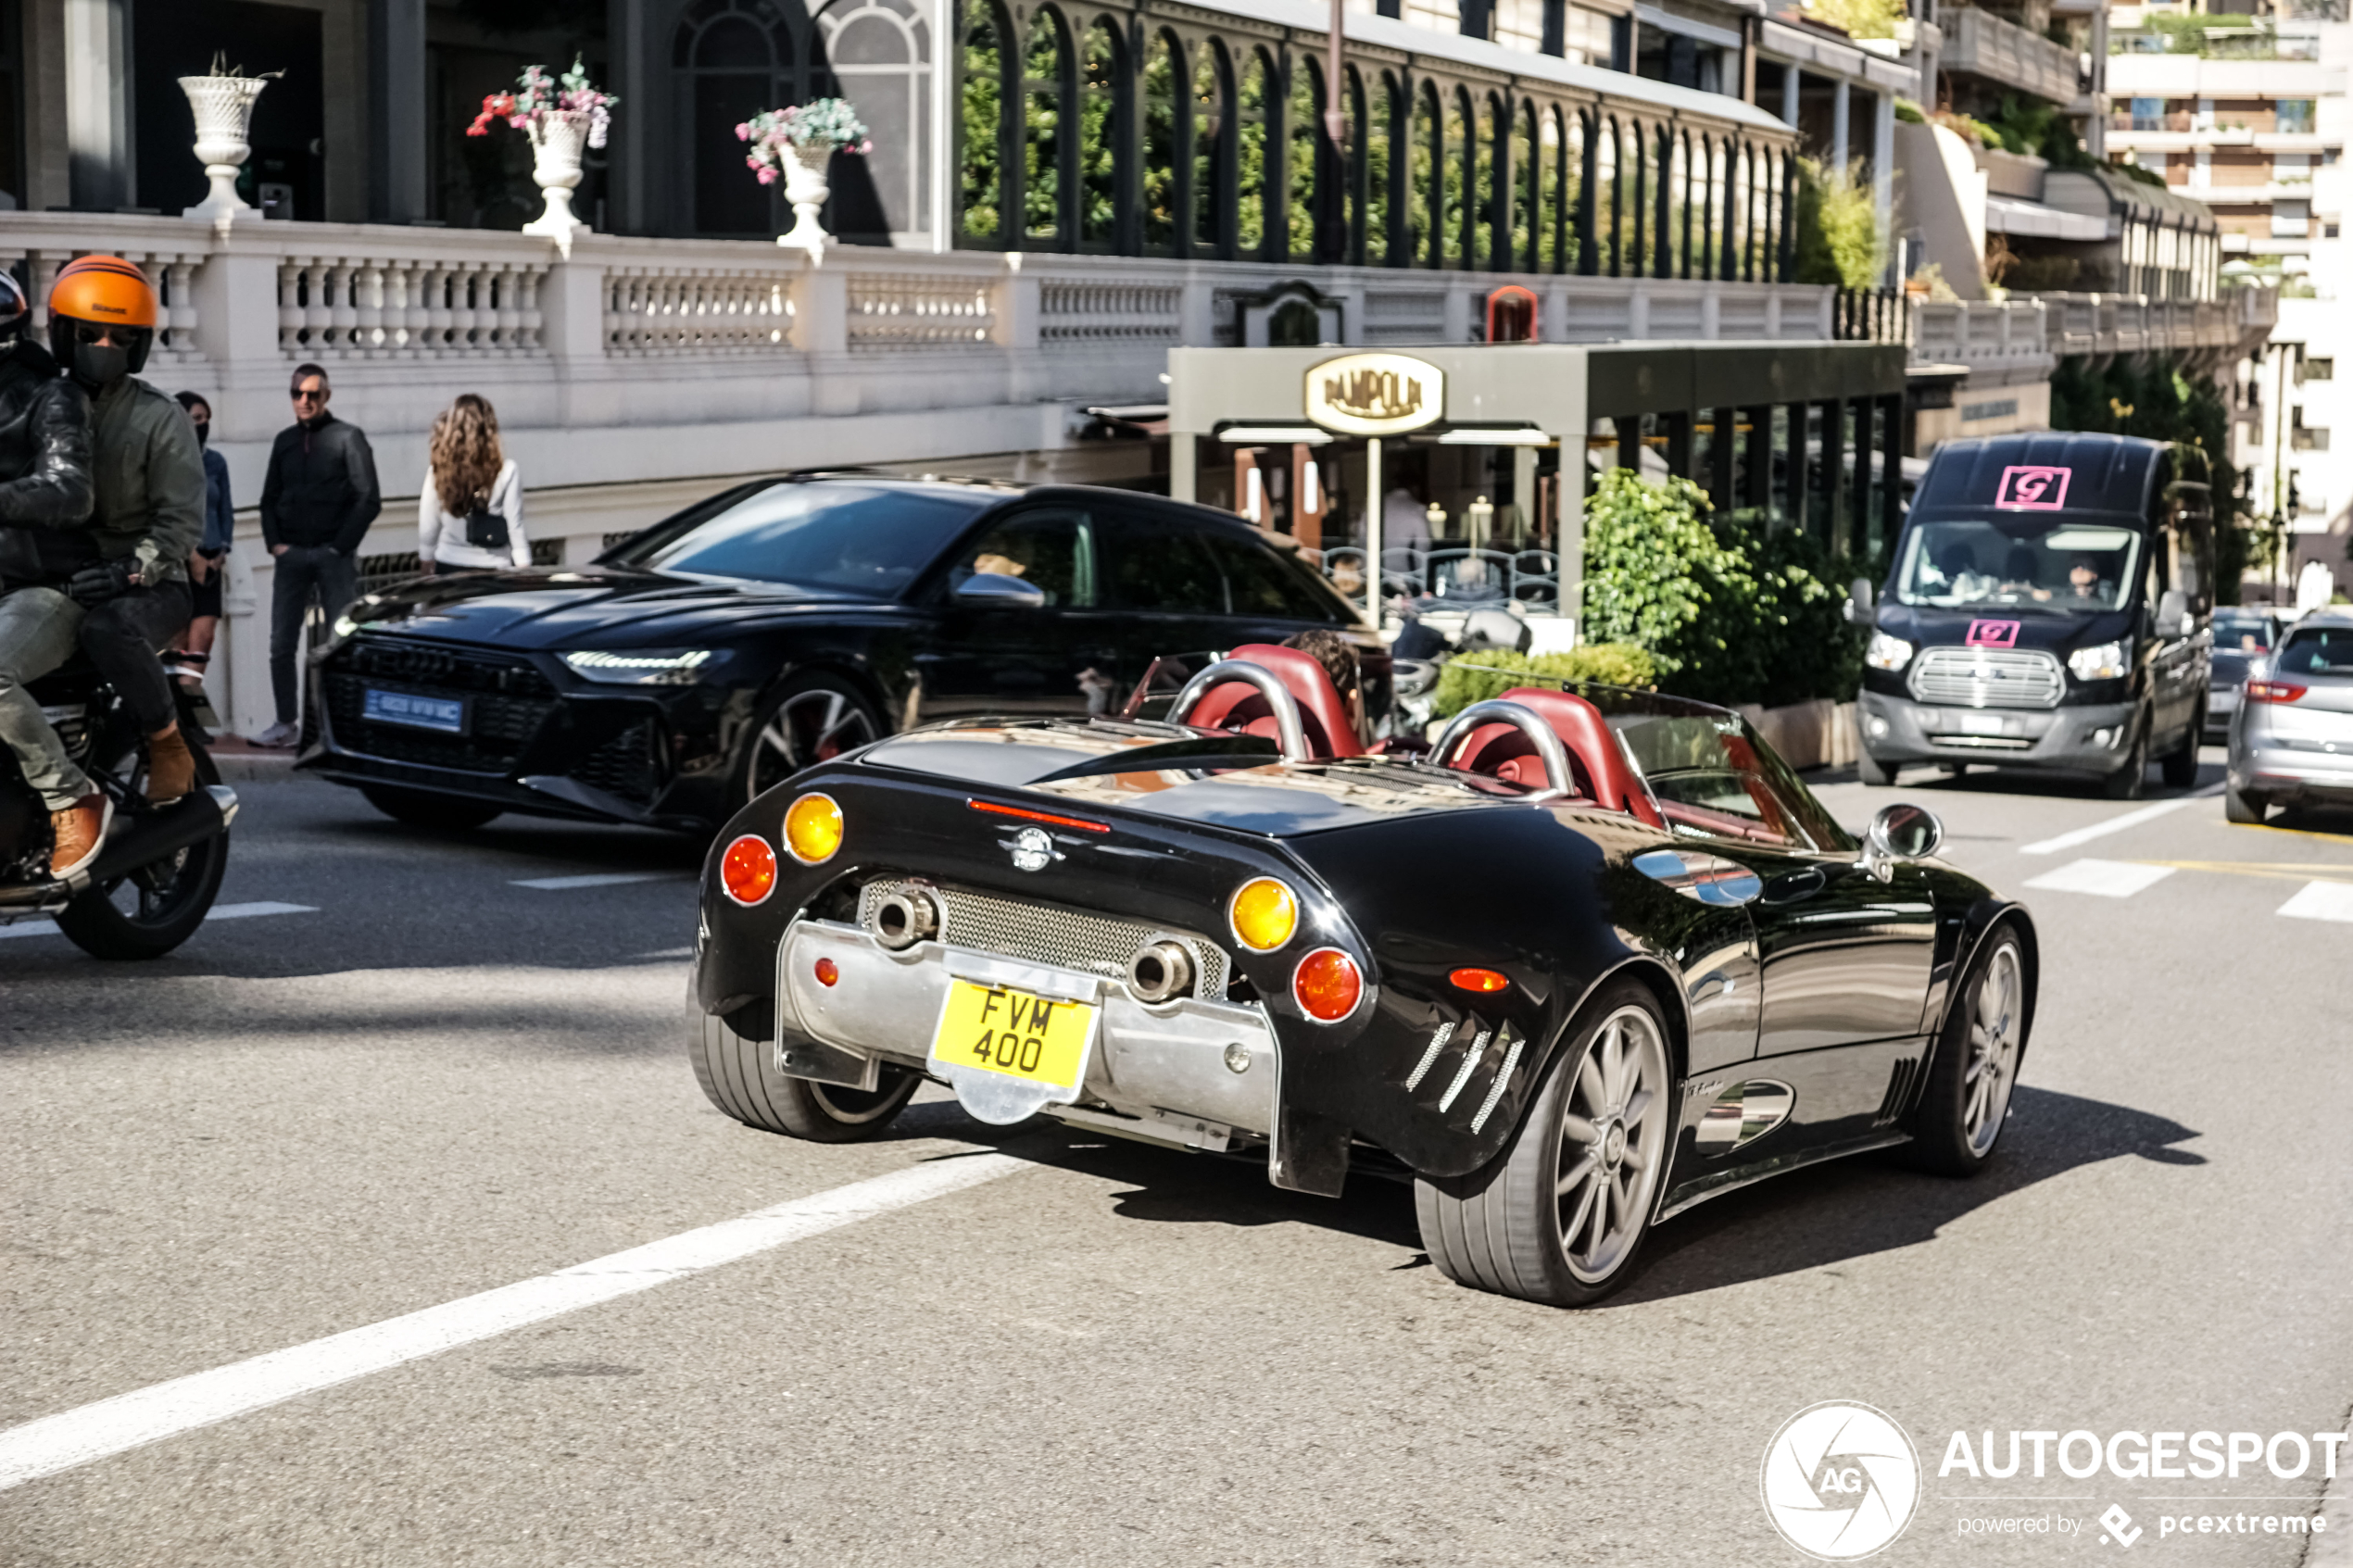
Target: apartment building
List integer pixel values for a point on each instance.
(2249, 115)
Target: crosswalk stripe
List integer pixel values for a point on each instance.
(218, 911)
(2106, 879)
(2322, 900)
(2114, 825)
(599, 879)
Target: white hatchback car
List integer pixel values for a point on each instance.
(2292, 738)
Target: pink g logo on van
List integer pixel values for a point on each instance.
(2032, 488)
(1993, 635)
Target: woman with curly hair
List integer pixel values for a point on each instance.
(469, 517)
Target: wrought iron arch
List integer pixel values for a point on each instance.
(729, 61)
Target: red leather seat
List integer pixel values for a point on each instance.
(1238, 705)
(1604, 775)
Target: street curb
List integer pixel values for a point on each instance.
(251, 767)
(2334, 1548)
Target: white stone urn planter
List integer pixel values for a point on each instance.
(223, 107)
(805, 187)
(557, 141)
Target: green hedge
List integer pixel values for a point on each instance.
(1475, 677)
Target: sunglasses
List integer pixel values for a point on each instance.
(97, 336)
(304, 394)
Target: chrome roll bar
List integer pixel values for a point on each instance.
(1291, 735)
(1560, 780)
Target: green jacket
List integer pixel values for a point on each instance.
(149, 476)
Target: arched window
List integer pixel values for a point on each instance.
(1486, 187)
(880, 53)
(1304, 141)
(1567, 130)
(1212, 149)
(1423, 200)
(1376, 133)
(1166, 93)
(1045, 86)
(1633, 176)
(1102, 136)
(1606, 203)
(1455, 213)
(1685, 186)
(1528, 181)
(981, 158)
(734, 58)
(1252, 115)
(1589, 186)
(1711, 250)
(1663, 241)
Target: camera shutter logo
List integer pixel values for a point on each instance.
(1841, 1481)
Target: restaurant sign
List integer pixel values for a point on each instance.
(1375, 394)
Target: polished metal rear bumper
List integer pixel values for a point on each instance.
(1162, 1065)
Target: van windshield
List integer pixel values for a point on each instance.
(2017, 563)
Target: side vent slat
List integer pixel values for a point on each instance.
(1899, 1090)
(1429, 1057)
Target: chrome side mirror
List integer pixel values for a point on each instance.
(994, 590)
(1857, 608)
(1900, 833)
(2172, 613)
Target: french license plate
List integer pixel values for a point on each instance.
(444, 714)
(1981, 723)
(1000, 1029)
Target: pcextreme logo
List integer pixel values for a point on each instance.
(1841, 1481)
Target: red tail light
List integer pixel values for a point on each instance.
(748, 872)
(1481, 980)
(2274, 691)
(1327, 985)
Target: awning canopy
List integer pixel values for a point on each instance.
(2007, 215)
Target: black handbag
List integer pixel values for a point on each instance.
(485, 530)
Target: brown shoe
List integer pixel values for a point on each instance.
(171, 771)
(79, 833)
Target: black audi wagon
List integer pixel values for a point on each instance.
(783, 622)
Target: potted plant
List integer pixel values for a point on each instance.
(797, 144)
(222, 103)
(563, 116)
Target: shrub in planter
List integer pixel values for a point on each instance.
(1656, 576)
(1475, 677)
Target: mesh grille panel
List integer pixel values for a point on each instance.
(1988, 678)
(1049, 935)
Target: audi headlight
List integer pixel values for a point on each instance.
(2105, 662)
(1887, 652)
(639, 667)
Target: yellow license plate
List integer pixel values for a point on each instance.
(999, 1029)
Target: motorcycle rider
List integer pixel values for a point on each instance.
(45, 513)
(130, 597)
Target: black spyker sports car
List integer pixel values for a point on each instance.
(782, 622)
(1594, 958)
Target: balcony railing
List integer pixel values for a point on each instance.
(1980, 44)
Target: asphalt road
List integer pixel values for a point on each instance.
(435, 1081)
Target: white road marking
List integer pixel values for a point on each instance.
(599, 879)
(2322, 900)
(2109, 879)
(2114, 825)
(218, 911)
(147, 1415)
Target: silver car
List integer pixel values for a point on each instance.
(2292, 738)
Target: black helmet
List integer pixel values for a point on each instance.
(16, 310)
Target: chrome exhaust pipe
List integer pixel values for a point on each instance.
(905, 918)
(1161, 972)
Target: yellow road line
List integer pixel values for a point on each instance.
(2295, 833)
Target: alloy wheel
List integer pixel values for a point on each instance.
(1613, 1148)
(808, 727)
(1992, 1050)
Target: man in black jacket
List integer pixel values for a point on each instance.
(46, 496)
(316, 504)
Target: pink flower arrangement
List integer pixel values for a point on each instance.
(538, 95)
(822, 123)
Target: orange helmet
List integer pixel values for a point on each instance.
(103, 290)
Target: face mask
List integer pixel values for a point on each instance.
(204, 434)
(100, 365)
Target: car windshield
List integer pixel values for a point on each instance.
(2241, 633)
(843, 538)
(2017, 563)
(2316, 650)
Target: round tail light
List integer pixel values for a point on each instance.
(1264, 913)
(747, 870)
(812, 829)
(1327, 985)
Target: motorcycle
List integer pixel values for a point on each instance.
(151, 886)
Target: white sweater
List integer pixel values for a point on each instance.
(441, 537)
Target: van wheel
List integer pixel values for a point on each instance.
(2180, 767)
(2128, 782)
(1874, 772)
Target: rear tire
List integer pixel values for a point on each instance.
(1874, 772)
(1561, 1215)
(1968, 1098)
(2180, 768)
(420, 809)
(2240, 806)
(740, 1077)
(166, 901)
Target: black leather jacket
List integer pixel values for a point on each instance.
(45, 490)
